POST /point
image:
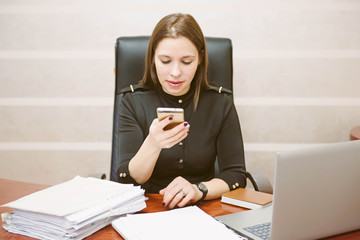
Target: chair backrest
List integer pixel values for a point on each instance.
(130, 60)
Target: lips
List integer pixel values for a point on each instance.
(175, 84)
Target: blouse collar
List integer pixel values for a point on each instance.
(184, 99)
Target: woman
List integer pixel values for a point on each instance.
(179, 163)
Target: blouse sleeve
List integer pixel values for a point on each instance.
(230, 148)
(130, 138)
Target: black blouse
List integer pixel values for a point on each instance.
(214, 133)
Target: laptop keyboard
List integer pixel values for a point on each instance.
(260, 230)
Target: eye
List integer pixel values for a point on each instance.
(186, 62)
(165, 62)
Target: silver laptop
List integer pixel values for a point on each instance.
(316, 195)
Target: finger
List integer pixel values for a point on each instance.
(162, 191)
(155, 121)
(177, 198)
(176, 130)
(188, 198)
(172, 189)
(164, 139)
(165, 121)
(179, 127)
(169, 194)
(169, 142)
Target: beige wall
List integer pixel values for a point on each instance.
(296, 77)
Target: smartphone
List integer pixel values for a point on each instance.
(176, 113)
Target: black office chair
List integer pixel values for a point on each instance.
(130, 61)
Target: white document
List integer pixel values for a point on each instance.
(183, 223)
(69, 197)
(72, 210)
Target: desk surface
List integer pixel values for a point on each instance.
(12, 190)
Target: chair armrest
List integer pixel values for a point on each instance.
(260, 182)
(98, 175)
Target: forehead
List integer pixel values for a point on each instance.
(180, 46)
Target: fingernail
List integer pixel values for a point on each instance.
(163, 203)
(185, 124)
(170, 118)
(188, 131)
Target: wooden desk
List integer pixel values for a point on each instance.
(12, 190)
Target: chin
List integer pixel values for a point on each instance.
(174, 92)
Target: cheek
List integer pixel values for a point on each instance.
(160, 71)
(191, 71)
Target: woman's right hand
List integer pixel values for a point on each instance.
(142, 164)
(161, 138)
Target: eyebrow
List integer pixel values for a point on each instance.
(187, 56)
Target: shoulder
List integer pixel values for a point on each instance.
(134, 88)
(134, 95)
(217, 97)
(220, 90)
(216, 92)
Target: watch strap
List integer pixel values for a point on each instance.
(202, 187)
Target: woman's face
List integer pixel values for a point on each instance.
(176, 61)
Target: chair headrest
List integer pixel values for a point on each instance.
(130, 61)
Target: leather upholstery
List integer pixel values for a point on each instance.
(130, 59)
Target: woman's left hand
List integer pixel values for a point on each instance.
(179, 193)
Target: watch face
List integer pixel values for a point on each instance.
(202, 187)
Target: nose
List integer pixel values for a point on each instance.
(175, 70)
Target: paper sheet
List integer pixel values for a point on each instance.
(72, 210)
(59, 200)
(183, 223)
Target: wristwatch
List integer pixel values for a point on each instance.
(202, 187)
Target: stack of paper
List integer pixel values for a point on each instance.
(72, 210)
(178, 224)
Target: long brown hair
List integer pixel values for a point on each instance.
(174, 26)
